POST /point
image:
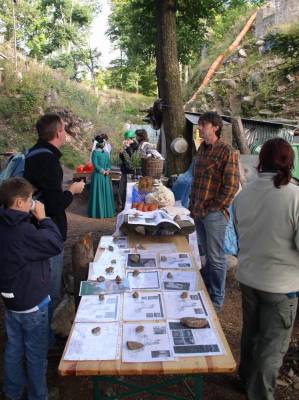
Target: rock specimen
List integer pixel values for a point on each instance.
(184, 295)
(113, 261)
(194, 323)
(134, 258)
(135, 295)
(110, 248)
(101, 297)
(118, 279)
(100, 278)
(136, 272)
(139, 329)
(96, 331)
(169, 275)
(109, 270)
(134, 345)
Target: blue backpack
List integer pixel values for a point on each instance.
(15, 165)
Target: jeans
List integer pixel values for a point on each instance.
(56, 267)
(27, 337)
(268, 320)
(210, 234)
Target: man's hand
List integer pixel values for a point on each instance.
(39, 211)
(76, 187)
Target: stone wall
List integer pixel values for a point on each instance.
(276, 12)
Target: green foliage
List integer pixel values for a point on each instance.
(45, 26)
(23, 100)
(284, 41)
(72, 157)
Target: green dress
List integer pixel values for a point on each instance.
(101, 201)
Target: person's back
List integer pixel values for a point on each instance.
(266, 218)
(25, 249)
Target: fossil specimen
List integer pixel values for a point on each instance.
(194, 323)
(134, 345)
(96, 330)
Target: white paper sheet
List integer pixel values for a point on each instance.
(148, 306)
(92, 309)
(155, 340)
(96, 270)
(84, 345)
(120, 242)
(145, 260)
(98, 267)
(188, 342)
(159, 247)
(176, 260)
(145, 280)
(181, 280)
(109, 286)
(192, 306)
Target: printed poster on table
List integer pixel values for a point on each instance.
(147, 306)
(144, 280)
(191, 306)
(120, 242)
(189, 342)
(141, 260)
(95, 309)
(153, 339)
(84, 345)
(176, 260)
(179, 280)
(89, 288)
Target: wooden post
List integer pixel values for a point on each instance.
(239, 135)
(82, 255)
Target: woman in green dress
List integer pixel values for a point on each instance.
(101, 201)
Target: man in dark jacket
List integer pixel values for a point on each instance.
(44, 172)
(25, 250)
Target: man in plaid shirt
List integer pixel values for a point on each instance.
(215, 182)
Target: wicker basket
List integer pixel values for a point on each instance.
(152, 167)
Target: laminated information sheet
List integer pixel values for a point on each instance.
(178, 280)
(94, 341)
(95, 309)
(191, 306)
(108, 271)
(141, 260)
(88, 288)
(120, 242)
(152, 340)
(147, 306)
(144, 280)
(189, 342)
(176, 260)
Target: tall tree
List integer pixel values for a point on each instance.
(169, 82)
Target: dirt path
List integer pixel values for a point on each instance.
(215, 387)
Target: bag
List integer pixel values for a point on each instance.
(15, 165)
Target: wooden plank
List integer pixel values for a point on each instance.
(187, 365)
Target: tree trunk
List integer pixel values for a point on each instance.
(169, 87)
(82, 255)
(239, 135)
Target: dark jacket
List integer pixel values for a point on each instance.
(45, 173)
(25, 250)
(125, 156)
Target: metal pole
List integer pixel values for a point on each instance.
(14, 34)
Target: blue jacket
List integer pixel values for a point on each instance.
(25, 250)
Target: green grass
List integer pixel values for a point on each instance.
(22, 101)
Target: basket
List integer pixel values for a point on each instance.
(152, 167)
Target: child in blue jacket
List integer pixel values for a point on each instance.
(25, 249)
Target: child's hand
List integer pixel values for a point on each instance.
(39, 210)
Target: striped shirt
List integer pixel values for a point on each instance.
(215, 180)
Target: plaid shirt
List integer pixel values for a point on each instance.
(215, 180)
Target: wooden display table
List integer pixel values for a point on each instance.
(105, 370)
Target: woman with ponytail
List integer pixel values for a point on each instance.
(266, 215)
